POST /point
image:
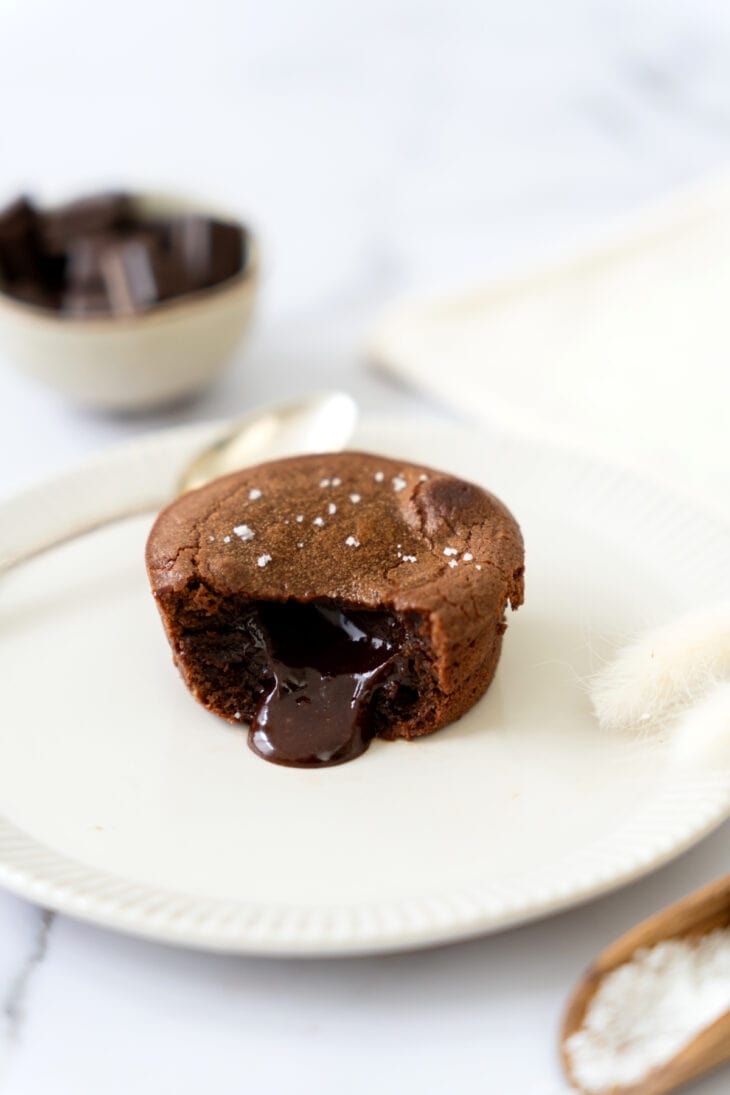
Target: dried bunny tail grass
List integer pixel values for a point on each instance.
(658, 675)
(702, 733)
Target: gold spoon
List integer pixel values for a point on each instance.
(319, 423)
(704, 911)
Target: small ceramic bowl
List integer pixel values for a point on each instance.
(127, 363)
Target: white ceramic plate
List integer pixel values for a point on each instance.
(123, 802)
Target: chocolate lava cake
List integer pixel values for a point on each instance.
(327, 600)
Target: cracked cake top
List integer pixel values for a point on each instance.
(349, 526)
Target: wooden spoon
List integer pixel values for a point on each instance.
(704, 911)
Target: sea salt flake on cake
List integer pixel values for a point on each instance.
(398, 482)
(263, 560)
(254, 494)
(379, 476)
(467, 557)
(453, 563)
(300, 544)
(409, 558)
(299, 518)
(355, 498)
(423, 478)
(324, 483)
(212, 539)
(244, 532)
(226, 539)
(352, 542)
(450, 551)
(332, 508)
(336, 482)
(319, 522)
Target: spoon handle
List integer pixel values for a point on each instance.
(67, 535)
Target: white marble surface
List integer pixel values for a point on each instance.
(379, 148)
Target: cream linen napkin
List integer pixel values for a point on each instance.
(624, 347)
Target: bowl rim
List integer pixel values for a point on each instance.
(195, 299)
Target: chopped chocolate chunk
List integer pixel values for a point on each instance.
(191, 239)
(83, 261)
(19, 253)
(227, 252)
(60, 226)
(98, 255)
(37, 294)
(209, 251)
(129, 276)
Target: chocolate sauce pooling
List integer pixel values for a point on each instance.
(324, 666)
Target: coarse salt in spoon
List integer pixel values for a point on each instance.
(653, 1012)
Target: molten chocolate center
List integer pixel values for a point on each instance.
(324, 665)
